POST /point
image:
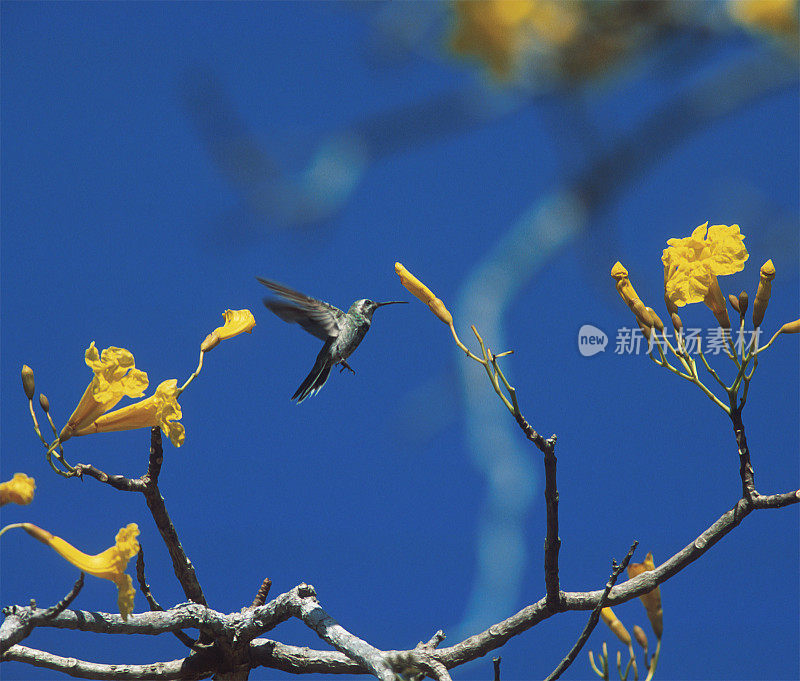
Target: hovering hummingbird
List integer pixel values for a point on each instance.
(342, 332)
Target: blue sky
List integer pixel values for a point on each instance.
(156, 157)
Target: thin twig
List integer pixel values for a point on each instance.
(594, 617)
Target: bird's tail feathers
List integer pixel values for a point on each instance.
(315, 380)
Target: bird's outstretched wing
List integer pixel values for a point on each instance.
(317, 317)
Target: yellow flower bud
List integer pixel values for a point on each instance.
(423, 293)
(44, 403)
(716, 303)
(734, 301)
(615, 625)
(27, 381)
(629, 295)
(790, 327)
(211, 341)
(763, 293)
(640, 636)
(743, 299)
(652, 599)
(677, 324)
(656, 320)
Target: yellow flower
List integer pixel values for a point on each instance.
(629, 295)
(18, 490)
(236, 322)
(115, 376)
(161, 409)
(692, 264)
(652, 599)
(423, 293)
(110, 564)
(615, 625)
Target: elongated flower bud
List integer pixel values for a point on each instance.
(44, 403)
(763, 293)
(656, 320)
(629, 295)
(743, 300)
(676, 322)
(615, 625)
(423, 293)
(734, 301)
(640, 636)
(716, 303)
(790, 327)
(28, 384)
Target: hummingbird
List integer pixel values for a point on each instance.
(342, 332)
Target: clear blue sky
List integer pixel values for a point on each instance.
(143, 148)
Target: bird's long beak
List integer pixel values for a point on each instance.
(393, 302)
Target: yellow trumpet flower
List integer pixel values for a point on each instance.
(18, 490)
(161, 409)
(236, 322)
(110, 564)
(115, 376)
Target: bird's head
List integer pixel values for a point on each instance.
(367, 307)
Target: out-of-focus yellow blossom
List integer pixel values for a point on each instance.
(110, 564)
(423, 293)
(18, 490)
(236, 322)
(763, 293)
(652, 599)
(615, 625)
(629, 295)
(640, 636)
(774, 16)
(115, 377)
(502, 33)
(691, 264)
(161, 409)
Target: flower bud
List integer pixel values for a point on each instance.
(44, 403)
(640, 636)
(790, 327)
(28, 384)
(763, 293)
(716, 303)
(676, 322)
(734, 301)
(629, 295)
(743, 299)
(656, 320)
(211, 341)
(615, 625)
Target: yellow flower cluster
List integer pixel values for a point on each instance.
(692, 264)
